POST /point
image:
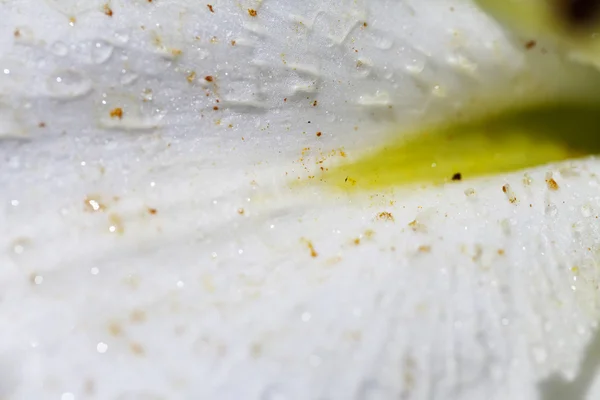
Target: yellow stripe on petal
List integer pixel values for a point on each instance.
(501, 143)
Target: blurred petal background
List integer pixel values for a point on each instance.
(152, 246)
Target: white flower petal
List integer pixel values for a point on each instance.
(160, 253)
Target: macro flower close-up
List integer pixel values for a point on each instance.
(298, 200)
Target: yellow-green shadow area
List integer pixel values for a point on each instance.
(500, 143)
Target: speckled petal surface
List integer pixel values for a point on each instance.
(152, 247)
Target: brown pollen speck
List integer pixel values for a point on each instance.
(256, 350)
(137, 349)
(530, 44)
(152, 211)
(208, 78)
(457, 176)
(115, 329)
(552, 184)
(510, 194)
(311, 248)
(424, 249)
(252, 12)
(210, 7)
(319, 134)
(116, 113)
(313, 252)
(385, 216)
(107, 10)
(89, 387)
(137, 316)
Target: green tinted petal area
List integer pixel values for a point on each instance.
(524, 15)
(509, 141)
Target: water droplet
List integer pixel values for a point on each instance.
(101, 347)
(438, 91)
(68, 84)
(382, 42)
(586, 210)
(59, 48)
(13, 73)
(101, 52)
(14, 162)
(415, 67)
(128, 77)
(363, 67)
(314, 360)
(150, 65)
(463, 65)
(469, 192)
(306, 316)
(67, 396)
(372, 390)
(147, 95)
(273, 393)
(10, 126)
(122, 37)
(74, 7)
(578, 227)
(20, 245)
(551, 210)
(379, 39)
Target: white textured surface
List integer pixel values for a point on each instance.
(100, 298)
